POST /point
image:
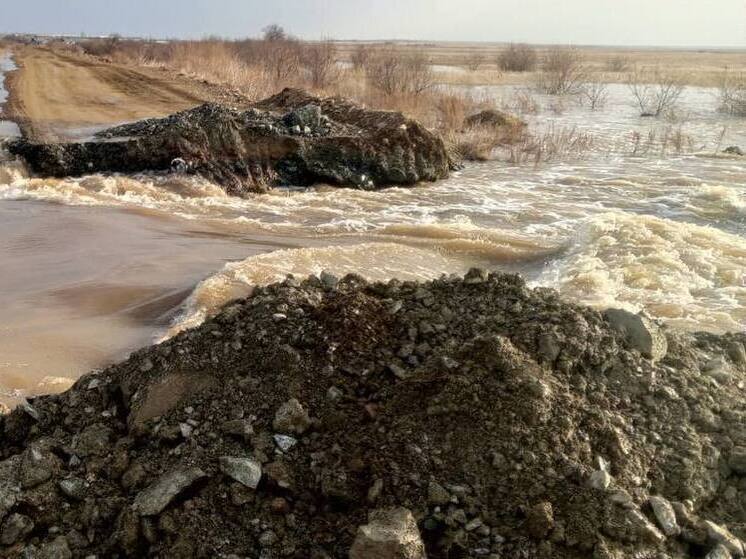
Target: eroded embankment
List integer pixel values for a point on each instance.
(291, 138)
(501, 421)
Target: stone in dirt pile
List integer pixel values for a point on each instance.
(291, 138)
(464, 417)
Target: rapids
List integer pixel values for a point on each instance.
(97, 266)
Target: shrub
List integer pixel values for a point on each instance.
(733, 95)
(563, 72)
(594, 94)
(393, 72)
(474, 62)
(517, 58)
(617, 64)
(320, 63)
(655, 95)
(360, 56)
(101, 47)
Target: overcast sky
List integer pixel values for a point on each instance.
(606, 22)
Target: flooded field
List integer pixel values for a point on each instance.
(651, 216)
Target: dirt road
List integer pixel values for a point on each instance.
(58, 95)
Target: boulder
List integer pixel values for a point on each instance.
(719, 535)
(291, 417)
(389, 534)
(15, 528)
(540, 520)
(665, 515)
(244, 470)
(719, 552)
(279, 141)
(157, 496)
(639, 332)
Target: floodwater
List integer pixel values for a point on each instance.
(650, 216)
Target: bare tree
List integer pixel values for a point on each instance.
(517, 58)
(475, 61)
(281, 60)
(655, 95)
(733, 94)
(393, 72)
(418, 73)
(320, 63)
(563, 72)
(360, 56)
(594, 94)
(274, 32)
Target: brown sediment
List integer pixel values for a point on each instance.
(505, 420)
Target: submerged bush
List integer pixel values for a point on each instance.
(655, 95)
(733, 95)
(563, 72)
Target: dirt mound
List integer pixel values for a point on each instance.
(291, 138)
(466, 417)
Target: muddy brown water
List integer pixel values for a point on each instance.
(97, 266)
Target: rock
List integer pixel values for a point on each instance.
(93, 441)
(329, 280)
(600, 479)
(644, 529)
(719, 552)
(162, 394)
(29, 410)
(389, 534)
(437, 495)
(475, 276)
(737, 353)
(59, 548)
(492, 118)
(284, 442)
(665, 515)
(4, 410)
(244, 470)
(307, 115)
(73, 487)
(228, 147)
(640, 333)
(36, 467)
(291, 417)
(540, 520)
(718, 535)
(133, 476)
(733, 150)
(157, 496)
(15, 528)
(737, 460)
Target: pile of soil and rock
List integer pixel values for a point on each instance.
(465, 417)
(291, 138)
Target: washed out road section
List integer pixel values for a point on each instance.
(56, 95)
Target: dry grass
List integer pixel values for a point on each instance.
(556, 142)
(702, 67)
(662, 141)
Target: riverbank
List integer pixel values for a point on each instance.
(503, 420)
